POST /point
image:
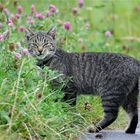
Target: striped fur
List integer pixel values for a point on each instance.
(113, 77)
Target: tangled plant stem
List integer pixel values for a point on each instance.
(15, 92)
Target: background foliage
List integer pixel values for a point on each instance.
(27, 107)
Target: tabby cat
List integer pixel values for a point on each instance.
(113, 77)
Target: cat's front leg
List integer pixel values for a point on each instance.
(108, 119)
(111, 106)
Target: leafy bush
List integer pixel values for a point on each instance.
(27, 101)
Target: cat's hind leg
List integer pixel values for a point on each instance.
(130, 106)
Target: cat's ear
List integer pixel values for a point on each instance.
(52, 32)
(28, 33)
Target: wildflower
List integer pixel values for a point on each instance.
(18, 55)
(19, 9)
(6, 11)
(74, 11)
(10, 23)
(39, 15)
(67, 25)
(48, 13)
(18, 15)
(21, 28)
(81, 3)
(1, 37)
(18, 45)
(36, 14)
(52, 8)
(32, 9)
(1, 25)
(108, 33)
(30, 20)
(10, 20)
(25, 51)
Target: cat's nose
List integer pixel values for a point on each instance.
(40, 49)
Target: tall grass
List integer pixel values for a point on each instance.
(27, 101)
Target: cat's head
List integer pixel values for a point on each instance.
(41, 44)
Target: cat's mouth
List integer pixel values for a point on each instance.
(40, 56)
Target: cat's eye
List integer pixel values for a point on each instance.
(44, 40)
(33, 45)
(46, 45)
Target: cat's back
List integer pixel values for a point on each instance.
(90, 69)
(103, 60)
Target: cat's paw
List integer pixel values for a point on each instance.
(130, 131)
(91, 129)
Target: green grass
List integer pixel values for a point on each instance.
(27, 107)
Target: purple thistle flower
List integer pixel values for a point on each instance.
(67, 25)
(48, 13)
(10, 20)
(21, 28)
(30, 20)
(6, 11)
(10, 23)
(81, 3)
(25, 51)
(19, 9)
(74, 11)
(18, 15)
(108, 33)
(52, 8)
(32, 9)
(39, 15)
(18, 55)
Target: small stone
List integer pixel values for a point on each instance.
(91, 129)
(98, 135)
(39, 95)
(88, 106)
